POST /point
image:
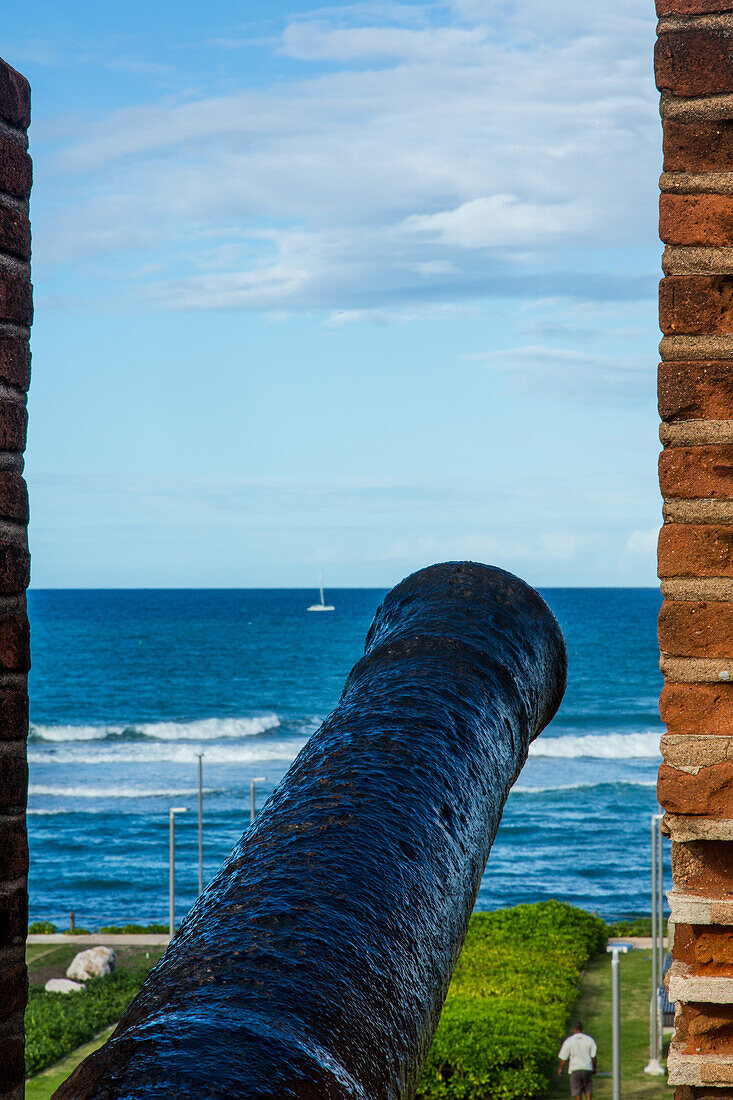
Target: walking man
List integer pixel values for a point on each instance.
(579, 1051)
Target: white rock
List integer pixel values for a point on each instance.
(63, 985)
(94, 963)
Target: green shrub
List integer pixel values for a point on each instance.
(631, 926)
(513, 989)
(132, 929)
(57, 1023)
(41, 928)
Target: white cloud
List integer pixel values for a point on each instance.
(316, 42)
(560, 544)
(499, 220)
(621, 378)
(643, 542)
(495, 146)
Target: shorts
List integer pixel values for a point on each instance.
(581, 1080)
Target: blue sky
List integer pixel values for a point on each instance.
(348, 287)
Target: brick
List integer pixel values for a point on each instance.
(709, 792)
(13, 714)
(703, 867)
(703, 709)
(696, 219)
(695, 549)
(15, 360)
(13, 426)
(14, 847)
(16, 298)
(15, 97)
(691, 628)
(13, 497)
(15, 233)
(704, 1029)
(13, 917)
(16, 170)
(692, 7)
(13, 796)
(15, 990)
(698, 146)
(706, 947)
(694, 61)
(696, 305)
(15, 653)
(12, 1062)
(697, 473)
(15, 569)
(705, 1092)
(691, 390)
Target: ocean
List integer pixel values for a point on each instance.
(128, 686)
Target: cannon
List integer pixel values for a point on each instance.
(316, 963)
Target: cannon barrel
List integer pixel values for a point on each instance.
(315, 964)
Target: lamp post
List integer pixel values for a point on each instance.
(172, 866)
(201, 824)
(654, 1067)
(616, 949)
(252, 811)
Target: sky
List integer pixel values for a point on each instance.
(348, 288)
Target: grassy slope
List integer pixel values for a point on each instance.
(45, 1084)
(51, 960)
(594, 1009)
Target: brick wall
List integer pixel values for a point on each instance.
(694, 70)
(15, 319)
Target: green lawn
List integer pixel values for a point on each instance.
(45, 1084)
(594, 1009)
(51, 960)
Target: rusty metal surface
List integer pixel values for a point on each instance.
(315, 964)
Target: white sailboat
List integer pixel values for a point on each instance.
(322, 606)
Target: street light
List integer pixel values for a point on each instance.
(258, 779)
(654, 1067)
(172, 866)
(201, 824)
(616, 949)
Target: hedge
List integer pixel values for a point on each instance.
(133, 929)
(57, 1023)
(501, 1027)
(508, 1003)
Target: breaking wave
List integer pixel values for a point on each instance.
(112, 792)
(609, 746)
(140, 753)
(519, 789)
(205, 729)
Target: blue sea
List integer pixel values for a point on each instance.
(128, 686)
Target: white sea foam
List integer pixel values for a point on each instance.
(112, 792)
(608, 746)
(206, 729)
(138, 752)
(520, 789)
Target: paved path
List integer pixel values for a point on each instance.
(640, 942)
(157, 939)
(96, 939)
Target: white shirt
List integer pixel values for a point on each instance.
(579, 1050)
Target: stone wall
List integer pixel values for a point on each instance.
(15, 320)
(694, 70)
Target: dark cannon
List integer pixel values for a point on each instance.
(315, 964)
